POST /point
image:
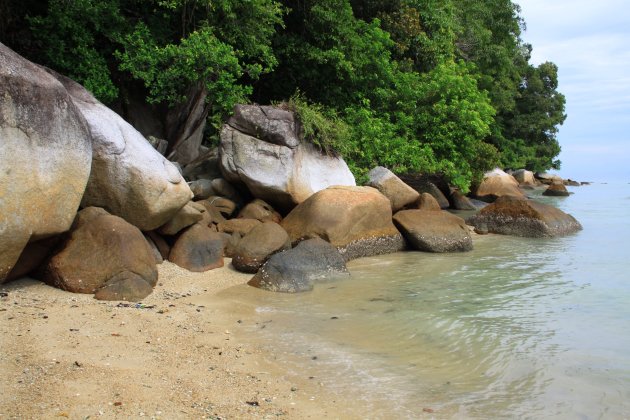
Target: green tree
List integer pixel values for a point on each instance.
(533, 127)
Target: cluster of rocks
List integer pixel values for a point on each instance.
(91, 206)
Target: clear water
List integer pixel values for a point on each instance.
(517, 328)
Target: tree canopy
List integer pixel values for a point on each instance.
(415, 85)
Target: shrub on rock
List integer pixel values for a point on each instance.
(261, 149)
(295, 270)
(99, 247)
(434, 231)
(520, 217)
(356, 220)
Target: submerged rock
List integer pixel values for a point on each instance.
(521, 217)
(295, 270)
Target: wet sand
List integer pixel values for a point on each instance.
(183, 353)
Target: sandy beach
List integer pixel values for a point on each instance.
(182, 353)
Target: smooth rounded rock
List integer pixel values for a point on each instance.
(99, 247)
(356, 220)
(258, 245)
(295, 270)
(198, 249)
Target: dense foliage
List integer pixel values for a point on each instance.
(415, 85)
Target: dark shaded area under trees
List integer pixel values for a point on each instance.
(413, 85)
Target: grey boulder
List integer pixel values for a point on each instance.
(295, 270)
(129, 177)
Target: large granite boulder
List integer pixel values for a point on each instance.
(434, 231)
(198, 249)
(259, 149)
(356, 220)
(524, 177)
(496, 184)
(258, 245)
(295, 270)
(129, 177)
(556, 190)
(392, 187)
(101, 248)
(45, 157)
(520, 217)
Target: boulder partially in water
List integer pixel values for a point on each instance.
(356, 220)
(295, 270)
(556, 190)
(434, 231)
(521, 217)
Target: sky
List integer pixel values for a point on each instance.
(590, 42)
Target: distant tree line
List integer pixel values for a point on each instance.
(415, 85)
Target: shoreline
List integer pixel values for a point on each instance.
(182, 353)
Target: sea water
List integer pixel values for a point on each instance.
(516, 328)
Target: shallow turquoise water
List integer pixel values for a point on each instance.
(517, 328)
